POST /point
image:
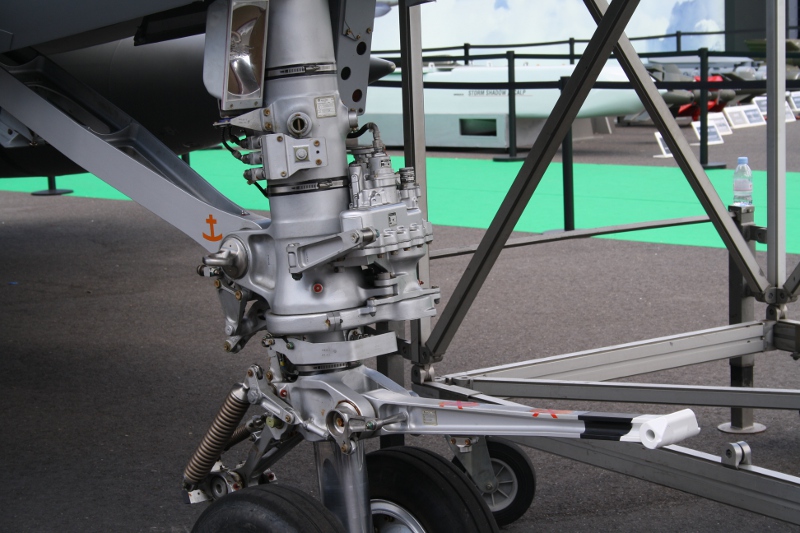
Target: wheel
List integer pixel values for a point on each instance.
(413, 490)
(267, 509)
(516, 480)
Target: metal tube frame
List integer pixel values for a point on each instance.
(770, 493)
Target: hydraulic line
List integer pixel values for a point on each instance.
(217, 436)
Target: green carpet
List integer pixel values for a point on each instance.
(467, 193)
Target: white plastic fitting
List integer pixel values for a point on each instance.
(669, 429)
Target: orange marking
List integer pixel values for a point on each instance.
(460, 405)
(551, 412)
(213, 238)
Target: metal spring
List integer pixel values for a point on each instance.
(217, 436)
(242, 433)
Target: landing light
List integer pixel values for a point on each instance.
(235, 52)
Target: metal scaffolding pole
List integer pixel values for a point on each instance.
(657, 109)
(776, 142)
(555, 128)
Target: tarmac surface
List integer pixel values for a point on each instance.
(112, 366)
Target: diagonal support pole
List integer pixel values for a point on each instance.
(695, 175)
(555, 128)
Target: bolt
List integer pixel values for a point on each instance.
(354, 236)
(452, 441)
(316, 143)
(467, 442)
(319, 162)
(270, 375)
(345, 448)
(371, 425)
(238, 295)
(489, 487)
(250, 373)
(290, 345)
(283, 174)
(287, 418)
(369, 30)
(340, 422)
(284, 393)
(217, 283)
(266, 112)
(280, 138)
(227, 346)
(317, 288)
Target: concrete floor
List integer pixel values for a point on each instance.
(112, 367)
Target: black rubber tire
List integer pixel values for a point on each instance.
(430, 488)
(507, 456)
(267, 509)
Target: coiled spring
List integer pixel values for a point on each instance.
(217, 436)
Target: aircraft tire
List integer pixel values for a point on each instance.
(270, 509)
(414, 489)
(516, 481)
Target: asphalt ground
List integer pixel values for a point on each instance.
(112, 366)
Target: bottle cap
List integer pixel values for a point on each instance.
(742, 161)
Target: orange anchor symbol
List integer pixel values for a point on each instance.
(213, 238)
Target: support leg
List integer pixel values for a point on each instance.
(741, 309)
(344, 486)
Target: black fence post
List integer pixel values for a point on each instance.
(572, 50)
(704, 112)
(512, 111)
(678, 41)
(567, 171)
(467, 46)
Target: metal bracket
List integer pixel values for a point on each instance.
(284, 155)
(473, 453)
(304, 256)
(737, 453)
(786, 335)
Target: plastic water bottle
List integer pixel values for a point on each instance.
(742, 183)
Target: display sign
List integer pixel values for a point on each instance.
(714, 136)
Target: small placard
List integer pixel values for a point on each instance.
(788, 113)
(761, 102)
(753, 114)
(429, 418)
(718, 119)
(713, 133)
(735, 117)
(665, 152)
(795, 100)
(325, 106)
